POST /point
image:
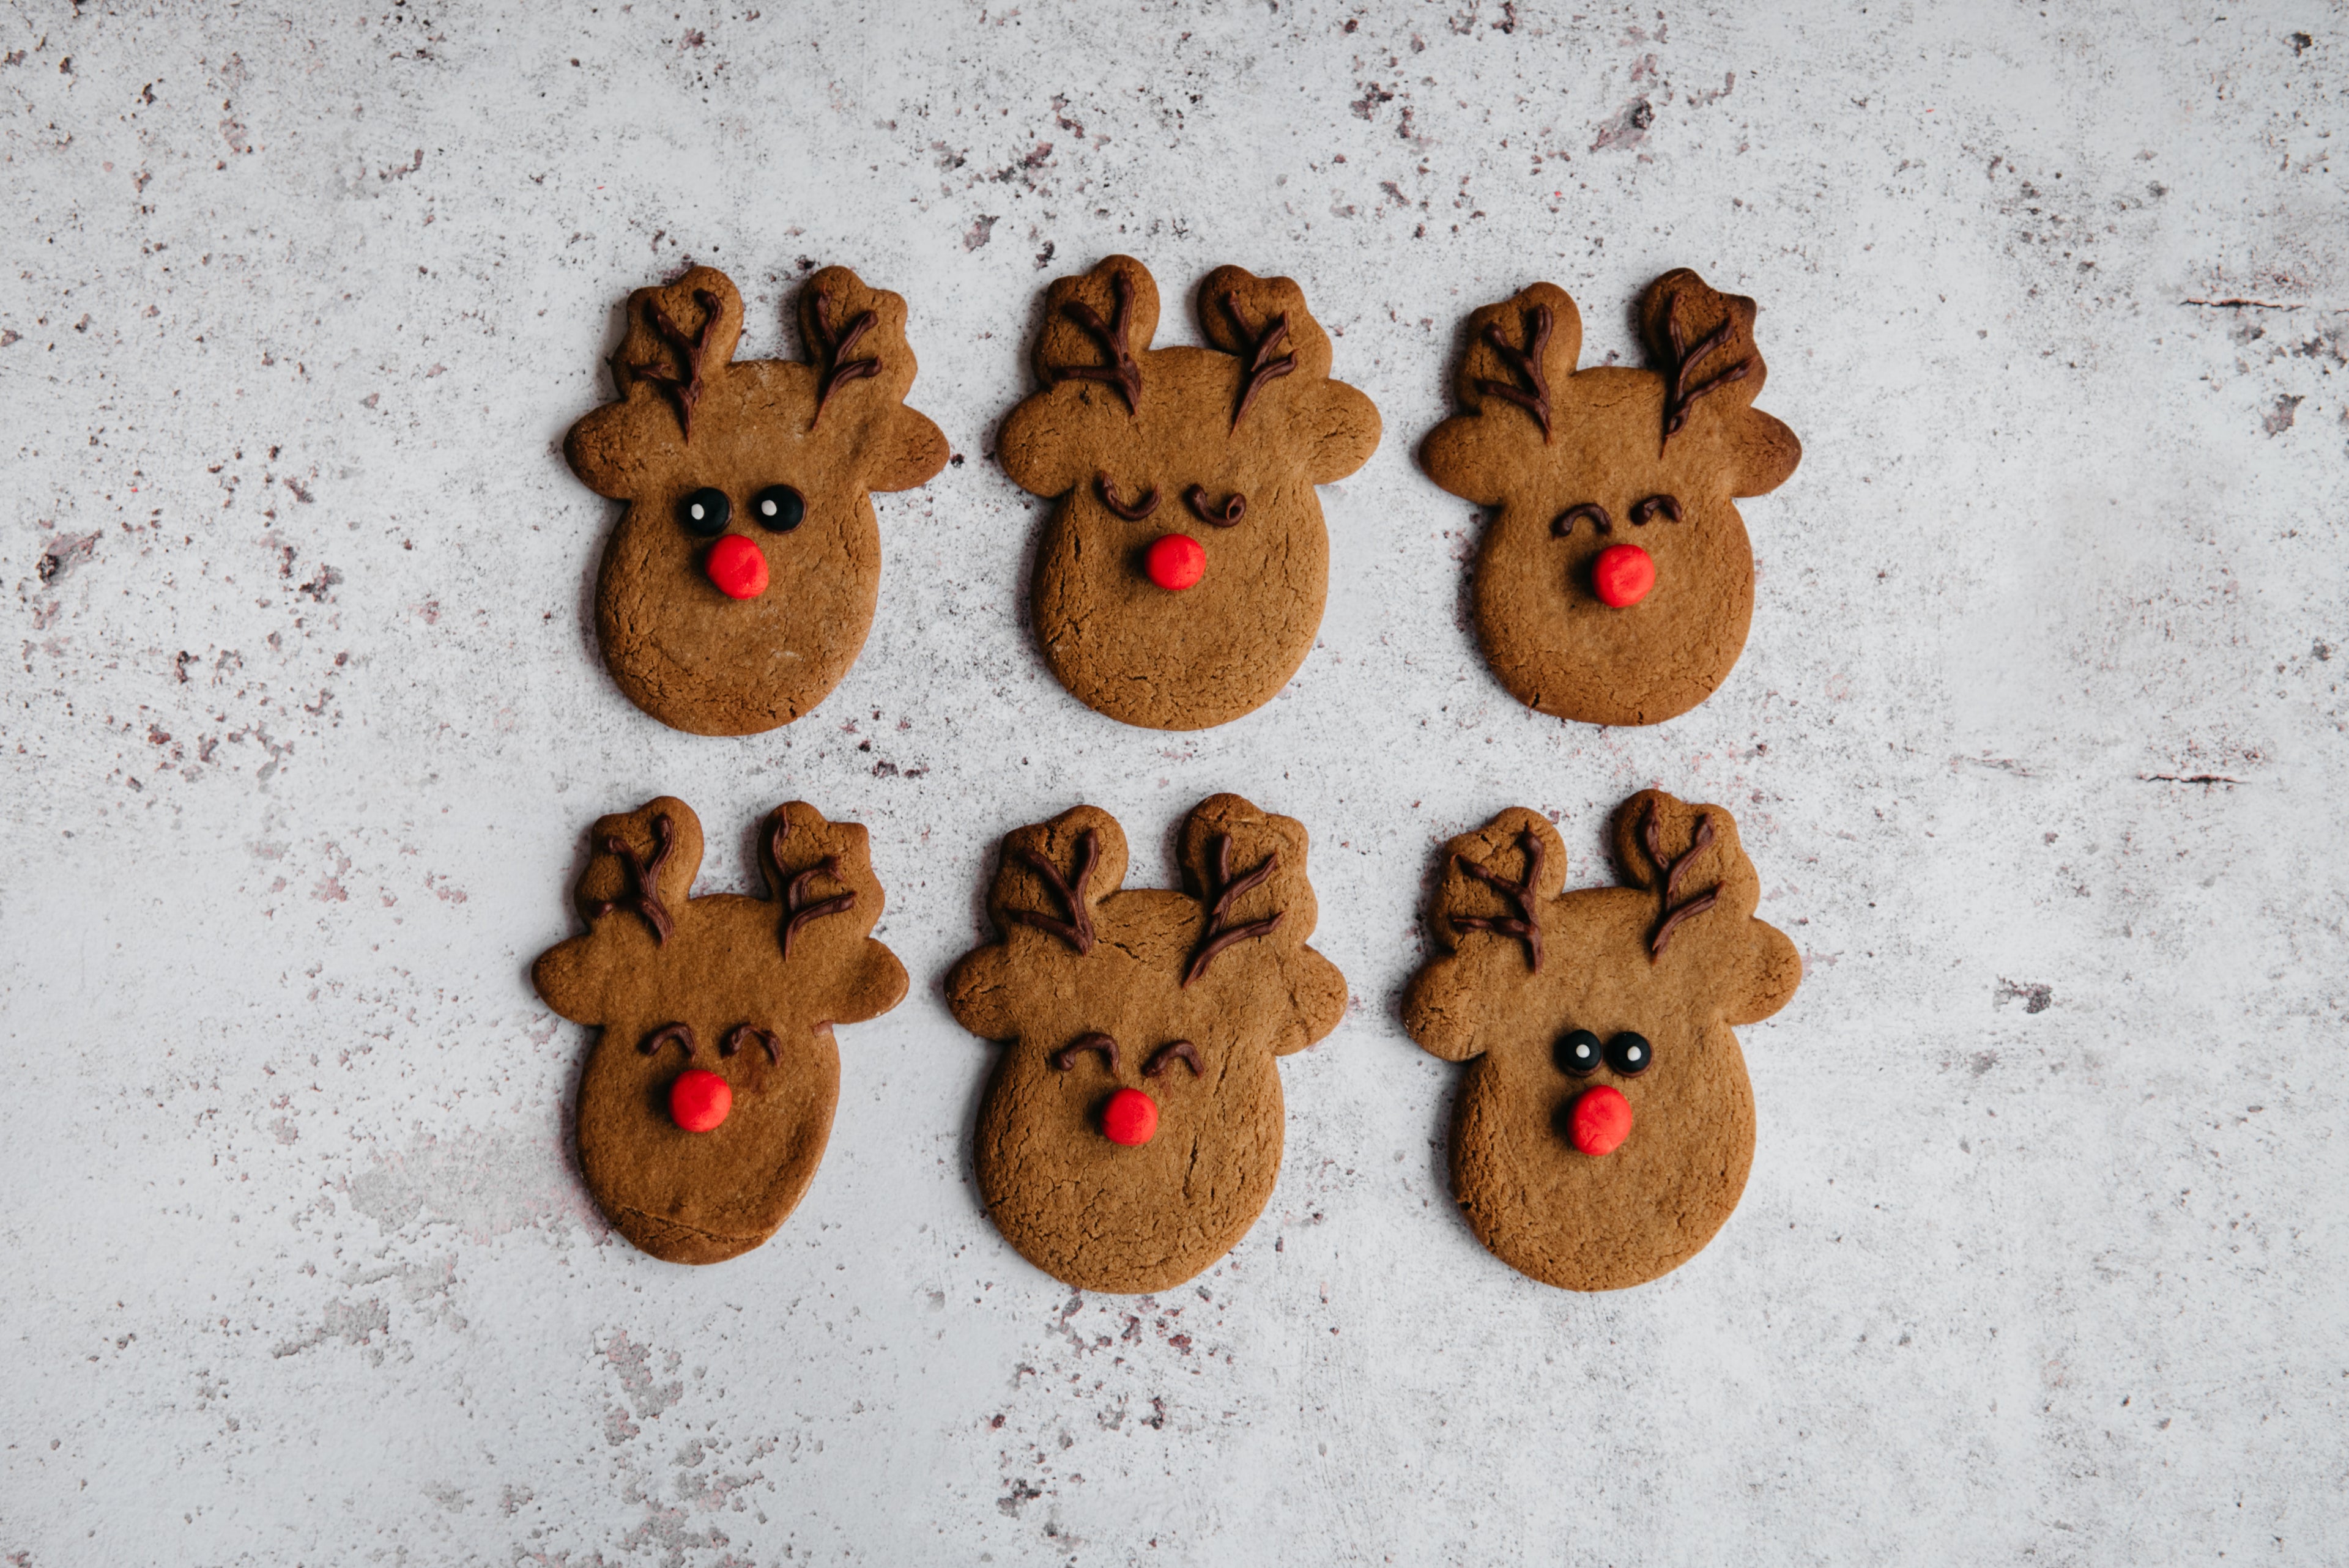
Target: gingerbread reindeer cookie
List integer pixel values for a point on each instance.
(705, 1105)
(1183, 574)
(1615, 583)
(1606, 1124)
(739, 585)
(1132, 1130)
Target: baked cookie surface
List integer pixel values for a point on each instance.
(737, 587)
(705, 1104)
(1615, 581)
(1183, 574)
(1605, 1127)
(1131, 1127)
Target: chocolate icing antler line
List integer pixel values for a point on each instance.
(835, 349)
(686, 389)
(1121, 372)
(741, 1034)
(644, 880)
(1227, 515)
(1066, 1056)
(1261, 366)
(1528, 363)
(1678, 393)
(1167, 1054)
(1673, 872)
(1077, 931)
(681, 1032)
(1228, 893)
(1525, 925)
(795, 893)
(1134, 513)
(1562, 526)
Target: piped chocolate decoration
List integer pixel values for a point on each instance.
(1228, 891)
(1077, 931)
(795, 900)
(681, 1032)
(1648, 509)
(686, 389)
(1121, 372)
(1066, 1056)
(1227, 515)
(644, 880)
(1134, 513)
(835, 348)
(1525, 926)
(1563, 526)
(1261, 366)
(743, 1033)
(1167, 1054)
(1678, 393)
(1673, 872)
(1526, 362)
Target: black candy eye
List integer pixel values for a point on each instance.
(705, 512)
(1630, 1053)
(778, 508)
(1579, 1053)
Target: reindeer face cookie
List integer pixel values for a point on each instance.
(705, 1105)
(1181, 577)
(1606, 1124)
(1615, 583)
(740, 582)
(1132, 1130)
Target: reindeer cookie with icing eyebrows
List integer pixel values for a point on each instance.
(1181, 577)
(1606, 1124)
(1132, 1130)
(1616, 584)
(704, 1107)
(739, 584)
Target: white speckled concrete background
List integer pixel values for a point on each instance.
(2038, 744)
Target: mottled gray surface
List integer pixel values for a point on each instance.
(2037, 744)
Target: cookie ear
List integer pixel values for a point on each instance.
(1340, 427)
(569, 978)
(907, 452)
(1772, 970)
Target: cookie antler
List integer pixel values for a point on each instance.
(694, 350)
(1122, 371)
(1525, 926)
(644, 879)
(1077, 931)
(795, 900)
(1261, 366)
(1528, 363)
(1673, 872)
(833, 348)
(1678, 393)
(1228, 891)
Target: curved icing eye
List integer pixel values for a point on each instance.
(1579, 1053)
(1656, 506)
(778, 509)
(705, 513)
(1630, 1053)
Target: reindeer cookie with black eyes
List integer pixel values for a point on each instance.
(1132, 1130)
(705, 1105)
(1183, 574)
(739, 584)
(1606, 1124)
(1616, 583)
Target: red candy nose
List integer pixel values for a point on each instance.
(1622, 574)
(1599, 1121)
(738, 568)
(698, 1100)
(1175, 561)
(1130, 1117)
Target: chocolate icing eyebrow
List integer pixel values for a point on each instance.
(1526, 362)
(1077, 931)
(1228, 891)
(1525, 926)
(1141, 509)
(686, 389)
(1673, 872)
(644, 880)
